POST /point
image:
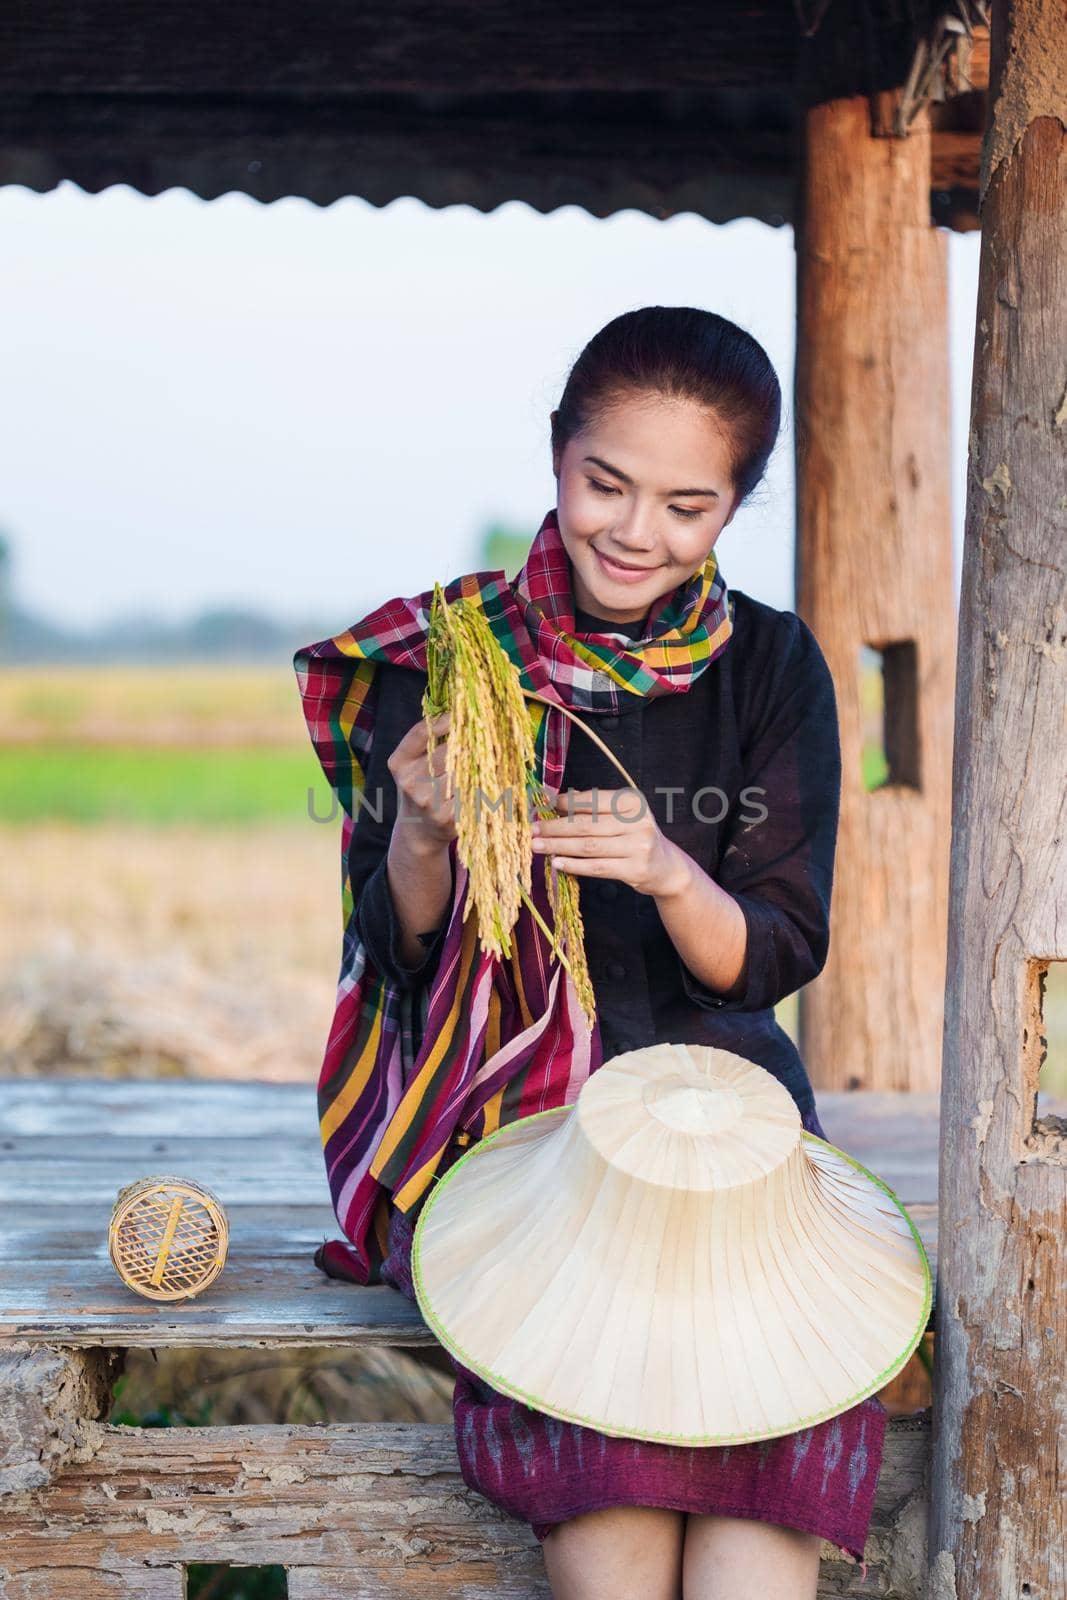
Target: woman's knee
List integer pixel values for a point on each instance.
(746, 1558)
(618, 1552)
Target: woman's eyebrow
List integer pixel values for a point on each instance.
(606, 465)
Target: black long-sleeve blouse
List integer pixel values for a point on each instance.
(743, 771)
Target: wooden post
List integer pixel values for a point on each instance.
(999, 1472)
(49, 1399)
(874, 567)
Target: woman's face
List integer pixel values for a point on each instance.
(647, 485)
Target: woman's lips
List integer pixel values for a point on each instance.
(621, 574)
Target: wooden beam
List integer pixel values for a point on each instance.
(354, 1511)
(1000, 1380)
(874, 568)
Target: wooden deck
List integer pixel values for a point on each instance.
(374, 1511)
(68, 1145)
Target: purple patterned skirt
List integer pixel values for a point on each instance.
(543, 1470)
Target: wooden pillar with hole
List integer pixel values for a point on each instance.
(999, 1471)
(874, 574)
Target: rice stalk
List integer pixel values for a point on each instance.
(491, 756)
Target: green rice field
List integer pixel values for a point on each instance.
(96, 783)
(197, 743)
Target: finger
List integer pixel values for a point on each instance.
(612, 805)
(570, 828)
(621, 808)
(589, 866)
(429, 771)
(436, 729)
(587, 804)
(439, 788)
(586, 797)
(441, 717)
(584, 844)
(433, 762)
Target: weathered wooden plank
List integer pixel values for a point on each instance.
(156, 1107)
(50, 1233)
(252, 1303)
(235, 1111)
(257, 1301)
(242, 1176)
(360, 1500)
(97, 1186)
(237, 1175)
(105, 1582)
(41, 1170)
(908, 1141)
(286, 1245)
(523, 1579)
(27, 1155)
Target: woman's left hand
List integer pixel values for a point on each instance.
(611, 833)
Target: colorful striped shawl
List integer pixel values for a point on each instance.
(486, 1041)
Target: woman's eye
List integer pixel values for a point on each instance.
(605, 488)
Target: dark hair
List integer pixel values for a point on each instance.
(684, 353)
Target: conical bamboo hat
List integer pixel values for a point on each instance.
(672, 1257)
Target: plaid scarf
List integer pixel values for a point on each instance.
(487, 1040)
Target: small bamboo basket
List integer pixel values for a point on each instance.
(167, 1237)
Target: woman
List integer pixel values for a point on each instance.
(705, 898)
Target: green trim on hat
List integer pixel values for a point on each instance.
(504, 1387)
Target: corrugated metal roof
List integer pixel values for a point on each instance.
(687, 108)
(721, 154)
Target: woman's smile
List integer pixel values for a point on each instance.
(624, 574)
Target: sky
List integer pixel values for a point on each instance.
(310, 410)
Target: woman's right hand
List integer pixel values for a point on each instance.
(426, 805)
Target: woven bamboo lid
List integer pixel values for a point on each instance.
(672, 1257)
(167, 1237)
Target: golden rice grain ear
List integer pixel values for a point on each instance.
(563, 895)
(568, 917)
(491, 770)
(490, 766)
(490, 751)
